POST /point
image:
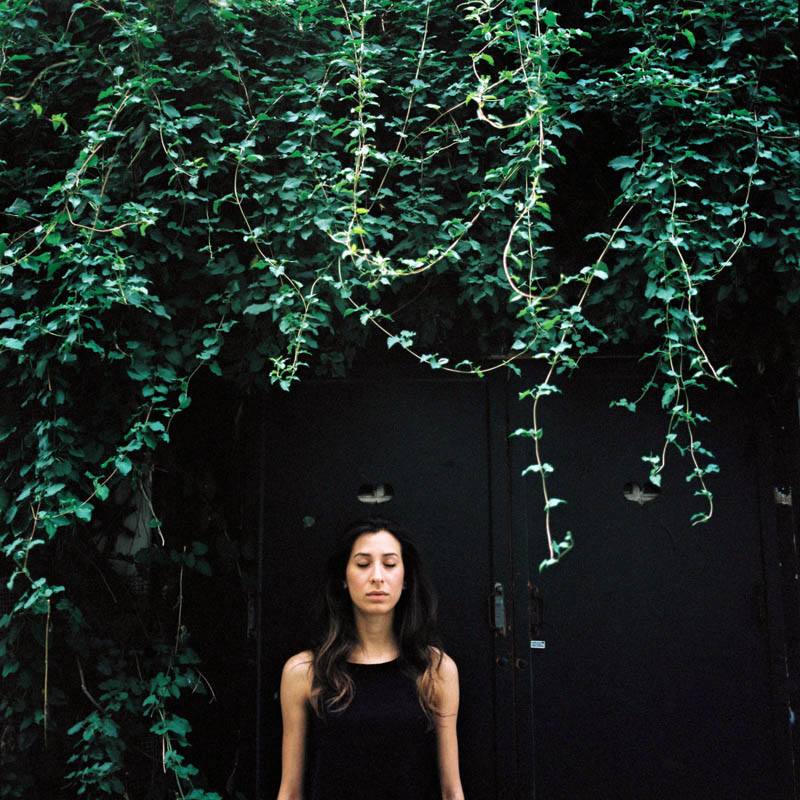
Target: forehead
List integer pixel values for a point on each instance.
(379, 543)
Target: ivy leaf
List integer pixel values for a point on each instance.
(19, 206)
(258, 308)
(623, 162)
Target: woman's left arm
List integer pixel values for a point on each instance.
(446, 736)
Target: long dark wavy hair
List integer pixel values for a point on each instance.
(414, 625)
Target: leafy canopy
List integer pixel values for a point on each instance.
(259, 189)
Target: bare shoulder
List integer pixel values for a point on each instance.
(299, 662)
(298, 672)
(446, 669)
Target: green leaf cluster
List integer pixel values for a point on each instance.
(263, 190)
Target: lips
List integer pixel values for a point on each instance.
(377, 594)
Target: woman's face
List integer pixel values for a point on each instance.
(375, 573)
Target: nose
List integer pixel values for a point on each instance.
(377, 573)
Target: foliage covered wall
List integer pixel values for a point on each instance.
(263, 189)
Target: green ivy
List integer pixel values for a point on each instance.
(264, 189)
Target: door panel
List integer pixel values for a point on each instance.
(654, 680)
(429, 441)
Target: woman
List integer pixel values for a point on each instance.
(375, 703)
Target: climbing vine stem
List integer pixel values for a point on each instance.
(266, 191)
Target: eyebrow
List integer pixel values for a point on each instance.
(369, 555)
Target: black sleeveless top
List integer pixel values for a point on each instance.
(382, 745)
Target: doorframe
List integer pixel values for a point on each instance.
(778, 465)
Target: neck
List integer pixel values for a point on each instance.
(376, 639)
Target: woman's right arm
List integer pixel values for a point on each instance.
(295, 694)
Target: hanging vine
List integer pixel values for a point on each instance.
(262, 190)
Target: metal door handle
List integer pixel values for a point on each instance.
(497, 609)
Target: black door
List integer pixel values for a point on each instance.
(430, 445)
(651, 674)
